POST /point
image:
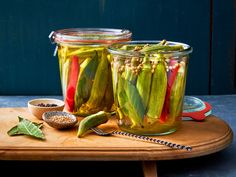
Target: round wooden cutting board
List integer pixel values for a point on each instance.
(205, 137)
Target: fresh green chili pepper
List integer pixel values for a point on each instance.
(144, 81)
(85, 82)
(157, 93)
(92, 121)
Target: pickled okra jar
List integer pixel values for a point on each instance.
(149, 84)
(85, 68)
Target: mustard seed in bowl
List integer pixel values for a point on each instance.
(59, 119)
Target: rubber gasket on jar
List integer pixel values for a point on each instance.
(196, 109)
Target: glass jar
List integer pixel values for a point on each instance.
(149, 83)
(85, 69)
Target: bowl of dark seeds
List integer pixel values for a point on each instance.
(39, 106)
(59, 119)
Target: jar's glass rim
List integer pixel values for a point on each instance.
(115, 48)
(90, 35)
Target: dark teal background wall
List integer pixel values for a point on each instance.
(27, 65)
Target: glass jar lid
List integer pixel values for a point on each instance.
(196, 109)
(128, 48)
(90, 35)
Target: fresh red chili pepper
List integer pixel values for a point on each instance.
(171, 78)
(73, 77)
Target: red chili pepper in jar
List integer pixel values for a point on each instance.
(73, 77)
(171, 78)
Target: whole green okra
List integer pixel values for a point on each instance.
(92, 121)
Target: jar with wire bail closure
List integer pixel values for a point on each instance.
(85, 69)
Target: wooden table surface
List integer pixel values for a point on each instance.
(205, 137)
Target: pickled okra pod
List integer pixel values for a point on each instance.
(158, 47)
(85, 82)
(83, 52)
(108, 99)
(144, 81)
(64, 65)
(171, 79)
(158, 92)
(61, 61)
(177, 93)
(65, 74)
(135, 101)
(121, 95)
(131, 73)
(116, 68)
(130, 102)
(98, 88)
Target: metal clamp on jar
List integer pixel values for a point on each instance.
(85, 68)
